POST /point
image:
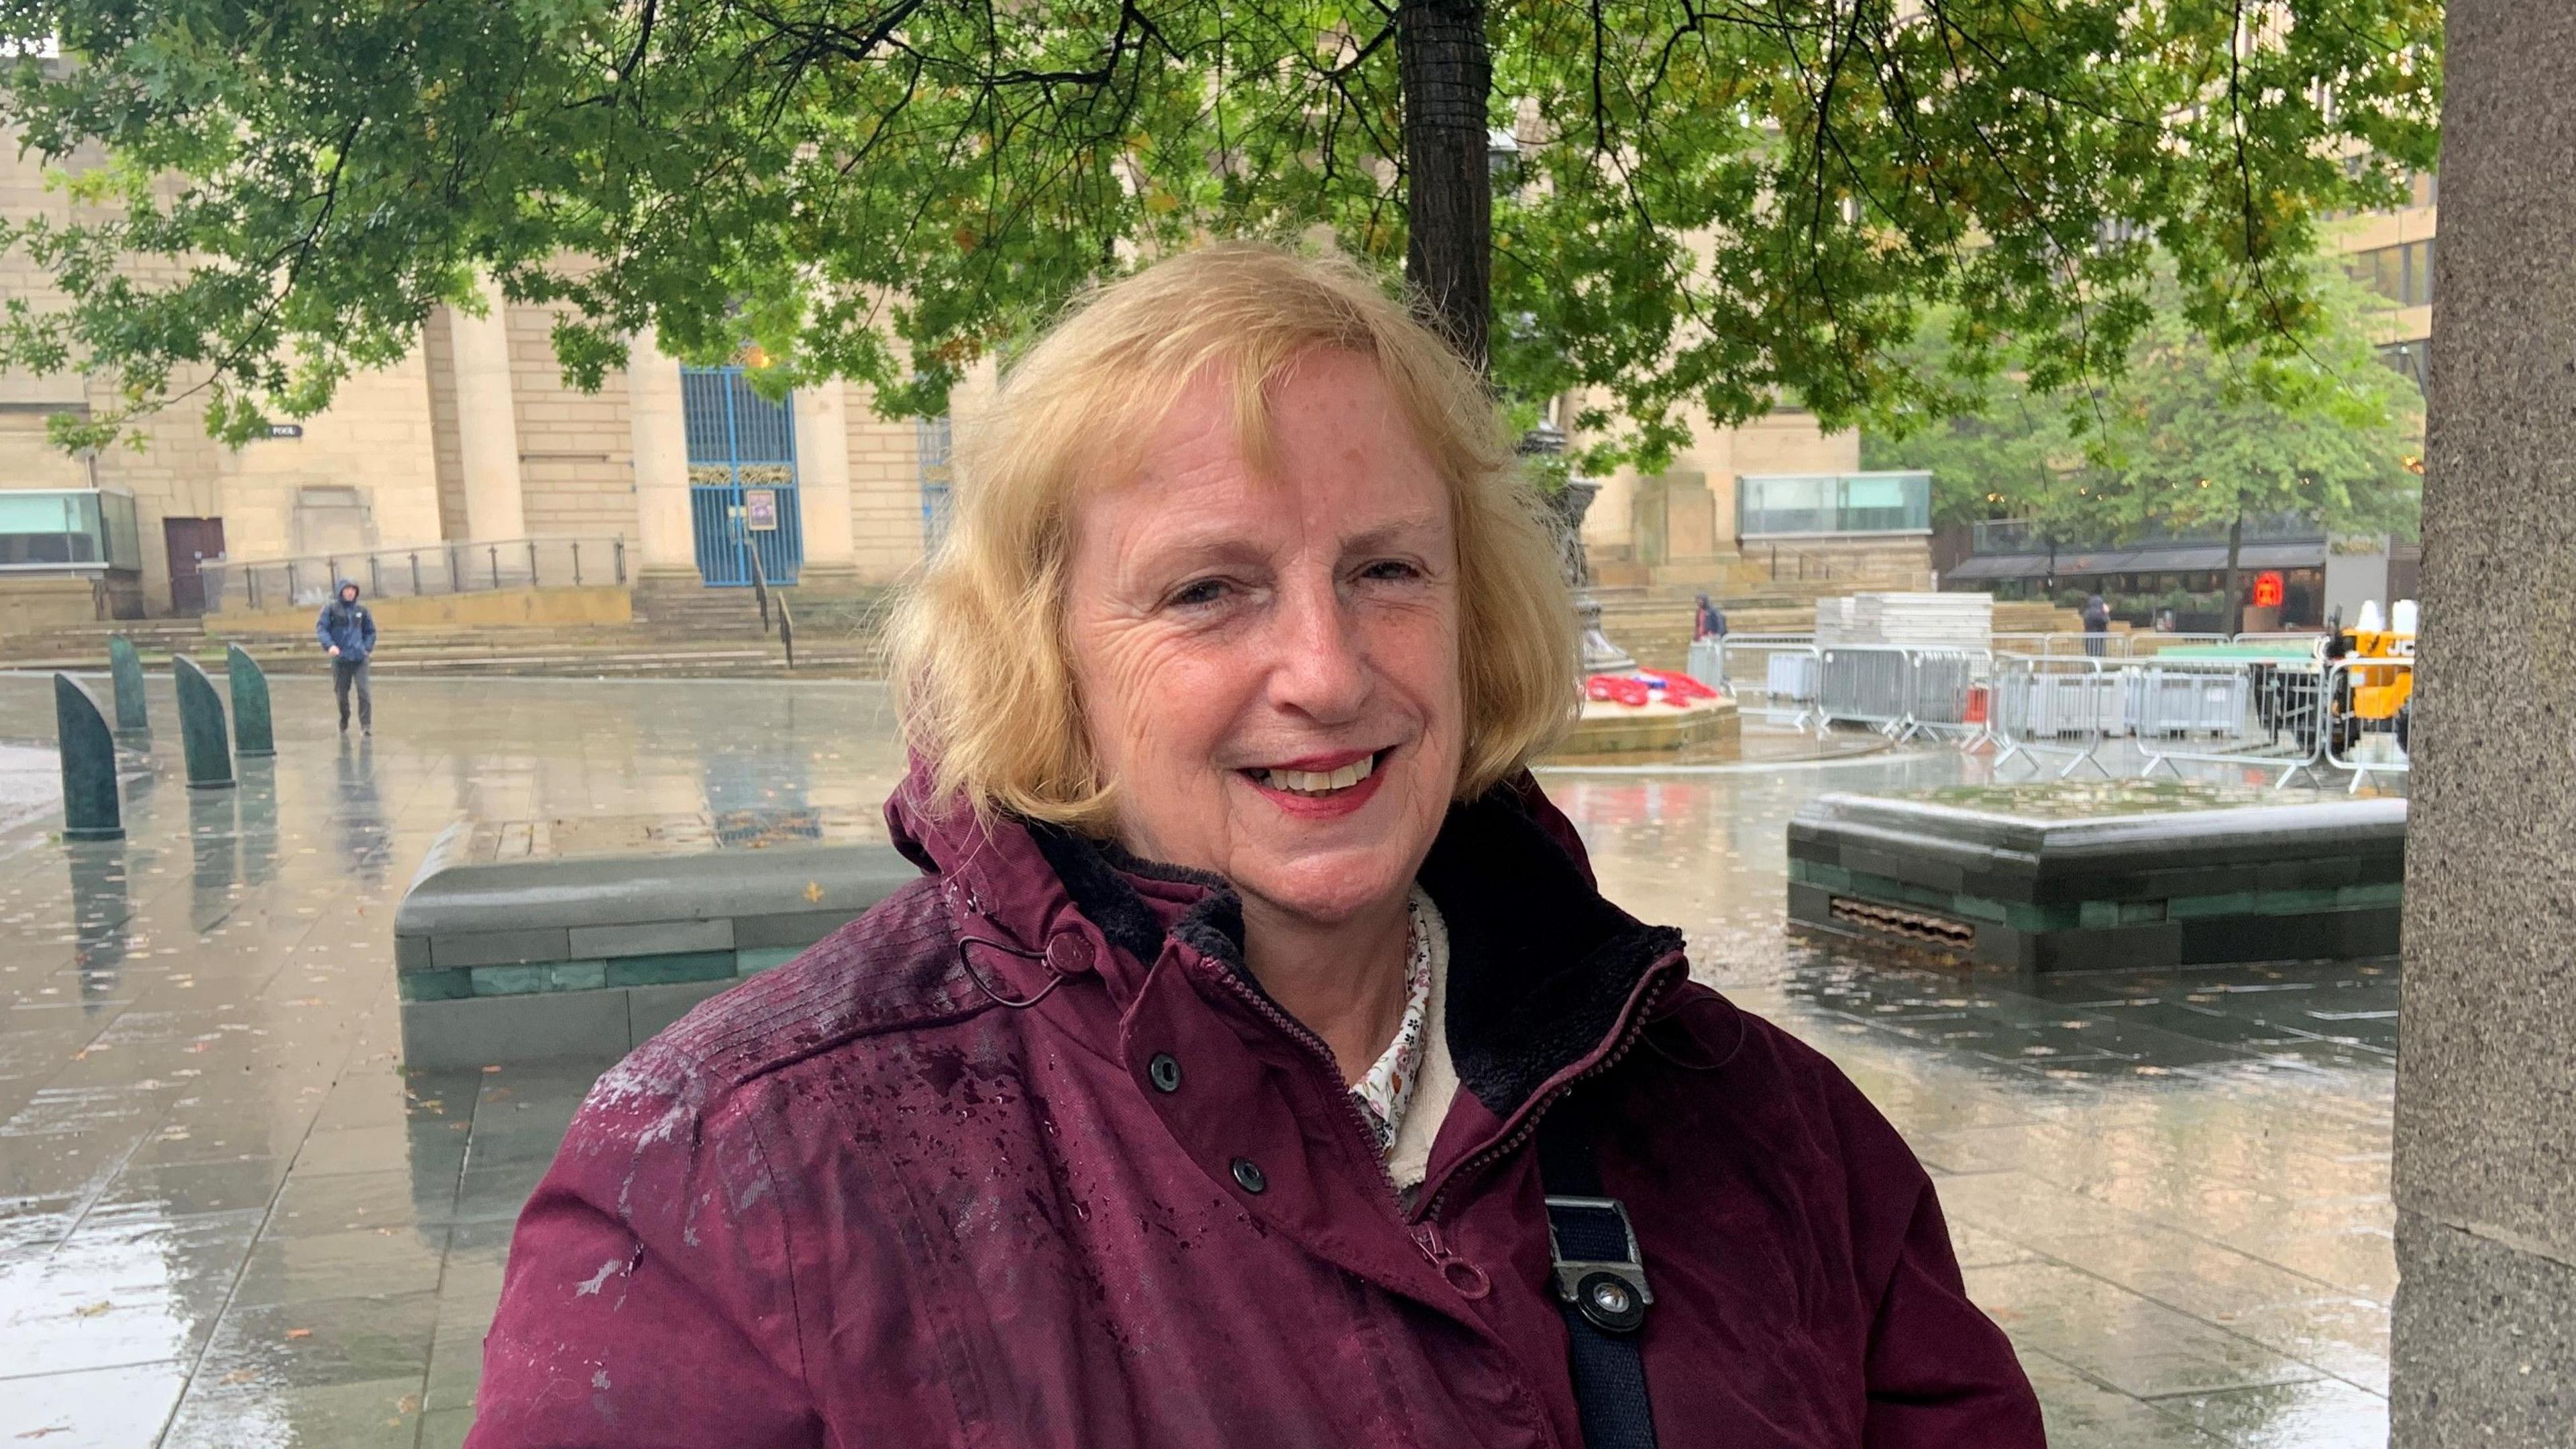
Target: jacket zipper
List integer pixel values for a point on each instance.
(1511, 1141)
(1298, 1032)
(1469, 1280)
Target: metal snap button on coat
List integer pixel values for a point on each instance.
(1249, 1177)
(1164, 1071)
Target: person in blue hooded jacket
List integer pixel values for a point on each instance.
(348, 633)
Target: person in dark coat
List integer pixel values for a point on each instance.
(1709, 622)
(348, 635)
(1196, 1093)
(2097, 625)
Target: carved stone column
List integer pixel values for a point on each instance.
(1569, 504)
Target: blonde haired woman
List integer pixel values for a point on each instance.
(1254, 1062)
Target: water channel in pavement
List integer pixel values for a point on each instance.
(228, 1217)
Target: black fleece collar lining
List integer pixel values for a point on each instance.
(1540, 965)
(1097, 874)
(1093, 881)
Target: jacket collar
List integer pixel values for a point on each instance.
(1542, 970)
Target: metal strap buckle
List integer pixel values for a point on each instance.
(1611, 1294)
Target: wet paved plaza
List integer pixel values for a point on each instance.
(228, 1218)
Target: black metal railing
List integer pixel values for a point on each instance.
(772, 601)
(248, 585)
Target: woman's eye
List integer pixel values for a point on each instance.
(1390, 570)
(1199, 593)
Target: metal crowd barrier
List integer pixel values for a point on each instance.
(1867, 684)
(1780, 671)
(1943, 697)
(1902, 690)
(2177, 699)
(2287, 718)
(1708, 663)
(2260, 714)
(2046, 705)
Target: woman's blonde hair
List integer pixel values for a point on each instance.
(979, 660)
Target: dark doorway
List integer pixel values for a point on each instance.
(192, 541)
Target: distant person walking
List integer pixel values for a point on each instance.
(348, 634)
(2097, 625)
(1711, 623)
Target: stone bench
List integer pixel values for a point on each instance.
(524, 941)
(2099, 875)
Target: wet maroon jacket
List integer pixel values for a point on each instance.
(912, 1189)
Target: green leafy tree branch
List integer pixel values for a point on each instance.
(1725, 203)
(2191, 437)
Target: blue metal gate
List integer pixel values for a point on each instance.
(740, 445)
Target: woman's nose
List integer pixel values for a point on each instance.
(1320, 668)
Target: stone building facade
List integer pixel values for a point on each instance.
(1682, 524)
(474, 437)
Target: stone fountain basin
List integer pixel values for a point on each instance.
(532, 940)
(1613, 734)
(2102, 875)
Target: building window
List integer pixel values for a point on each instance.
(1820, 503)
(44, 527)
(2403, 274)
(2413, 359)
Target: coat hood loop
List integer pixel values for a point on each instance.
(1542, 970)
(994, 993)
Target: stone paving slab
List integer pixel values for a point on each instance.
(207, 1124)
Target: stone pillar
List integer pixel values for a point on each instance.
(823, 484)
(487, 421)
(2484, 1344)
(665, 544)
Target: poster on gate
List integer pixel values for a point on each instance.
(760, 510)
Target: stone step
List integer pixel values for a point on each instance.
(146, 634)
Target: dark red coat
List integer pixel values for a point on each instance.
(868, 1199)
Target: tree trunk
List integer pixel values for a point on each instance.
(1447, 76)
(2231, 607)
(2484, 1330)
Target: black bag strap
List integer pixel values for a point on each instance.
(1599, 1281)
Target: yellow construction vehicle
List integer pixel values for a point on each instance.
(2375, 694)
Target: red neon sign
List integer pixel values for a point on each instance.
(2268, 591)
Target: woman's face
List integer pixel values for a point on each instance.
(1268, 661)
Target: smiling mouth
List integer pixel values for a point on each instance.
(1320, 784)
